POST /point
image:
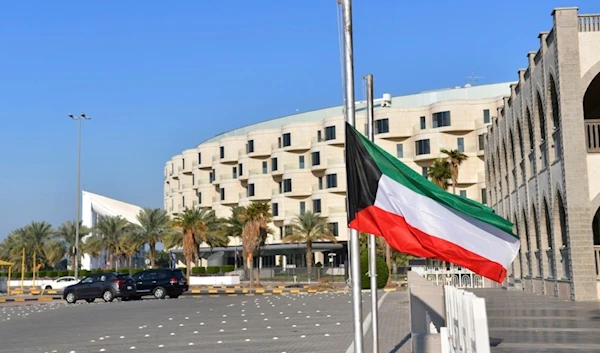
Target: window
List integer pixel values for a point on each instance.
(441, 119)
(463, 193)
(287, 230)
(424, 171)
(320, 183)
(234, 172)
(265, 167)
(222, 194)
(331, 181)
(484, 196)
(330, 133)
(250, 146)
(460, 144)
(287, 140)
(250, 190)
(422, 147)
(193, 179)
(275, 209)
(382, 126)
(199, 158)
(183, 163)
(222, 152)
(423, 123)
(279, 142)
(317, 206)
(315, 157)
(481, 142)
(486, 116)
(280, 187)
(240, 169)
(302, 207)
(319, 136)
(200, 198)
(274, 163)
(211, 176)
(399, 151)
(287, 185)
(183, 201)
(333, 227)
(301, 162)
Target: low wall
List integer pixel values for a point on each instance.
(194, 281)
(427, 308)
(214, 280)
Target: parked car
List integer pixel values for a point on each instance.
(160, 283)
(107, 286)
(61, 283)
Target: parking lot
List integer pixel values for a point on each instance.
(317, 322)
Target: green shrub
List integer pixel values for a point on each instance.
(41, 274)
(109, 270)
(198, 270)
(136, 270)
(212, 270)
(124, 270)
(52, 274)
(15, 275)
(227, 268)
(96, 271)
(71, 273)
(382, 272)
(62, 273)
(83, 273)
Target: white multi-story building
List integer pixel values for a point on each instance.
(296, 163)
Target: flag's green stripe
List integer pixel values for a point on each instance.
(398, 171)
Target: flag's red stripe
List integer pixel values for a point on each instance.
(409, 240)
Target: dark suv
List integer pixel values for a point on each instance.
(160, 283)
(107, 286)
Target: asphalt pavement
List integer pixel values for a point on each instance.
(314, 322)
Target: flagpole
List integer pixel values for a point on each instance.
(372, 241)
(353, 233)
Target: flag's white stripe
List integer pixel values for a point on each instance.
(445, 223)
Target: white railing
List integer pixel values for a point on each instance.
(466, 328)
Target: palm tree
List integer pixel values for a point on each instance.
(233, 226)
(309, 228)
(455, 158)
(12, 248)
(111, 229)
(37, 234)
(439, 172)
(255, 231)
(155, 225)
(129, 245)
(193, 225)
(66, 232)
(54, 251)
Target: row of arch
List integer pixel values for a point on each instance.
(544, 243)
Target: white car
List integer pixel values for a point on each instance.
(61, 283)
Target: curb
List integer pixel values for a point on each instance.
(21, 300)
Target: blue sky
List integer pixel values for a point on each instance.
(161, 77)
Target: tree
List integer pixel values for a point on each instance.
(439, 172)
(37, 234)
(193, 223)
(154, 226)
(309, 228)
(12, 249)
(110, 229)
(455, 159)
(66, 232)
(256, 218)
(129, 245)
(54, 251)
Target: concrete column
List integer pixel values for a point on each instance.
(574, 156)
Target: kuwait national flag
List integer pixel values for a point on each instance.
(416, 217)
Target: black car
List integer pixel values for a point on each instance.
(160, 283)
(107, 286)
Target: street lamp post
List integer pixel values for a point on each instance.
(78, 119)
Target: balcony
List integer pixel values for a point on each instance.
(185, 186)
(336, 162)
(592, 134)
(589, 23)
(336, 210)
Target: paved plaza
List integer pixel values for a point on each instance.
(316, 322)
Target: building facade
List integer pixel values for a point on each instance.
(296, 163)
(542, 158)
